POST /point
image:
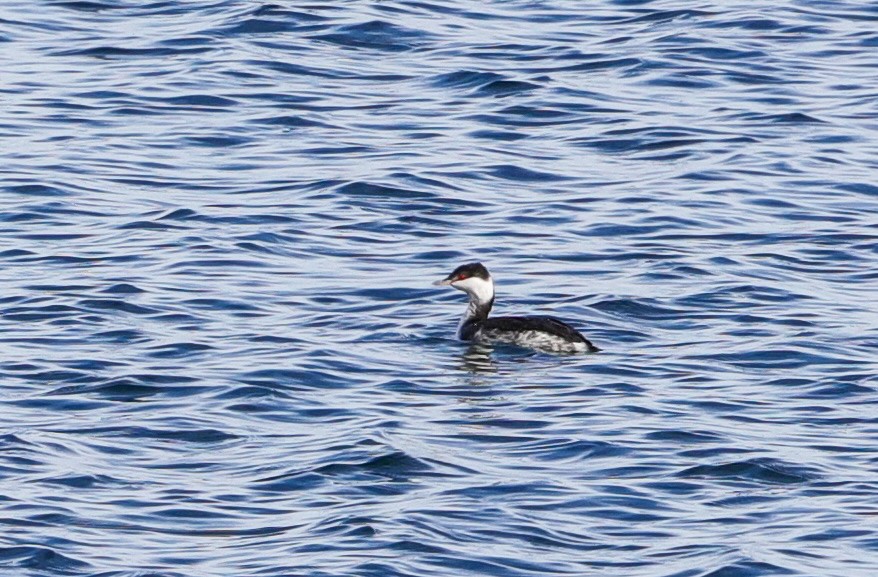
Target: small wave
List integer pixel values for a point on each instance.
(769, 471)
(41, 559)
(375, 35)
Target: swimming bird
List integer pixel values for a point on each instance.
(537, 332)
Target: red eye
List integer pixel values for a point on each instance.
(460, 277)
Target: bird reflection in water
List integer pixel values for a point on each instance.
(477, 359)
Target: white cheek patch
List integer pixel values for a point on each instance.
(482, 290)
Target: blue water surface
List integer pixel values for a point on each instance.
(221, 352)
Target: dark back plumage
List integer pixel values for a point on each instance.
(549, 325)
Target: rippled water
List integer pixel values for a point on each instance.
(222, 354)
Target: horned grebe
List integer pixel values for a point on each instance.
(545, 333)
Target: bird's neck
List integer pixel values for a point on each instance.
(481, 300)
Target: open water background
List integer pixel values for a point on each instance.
(221, 354)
